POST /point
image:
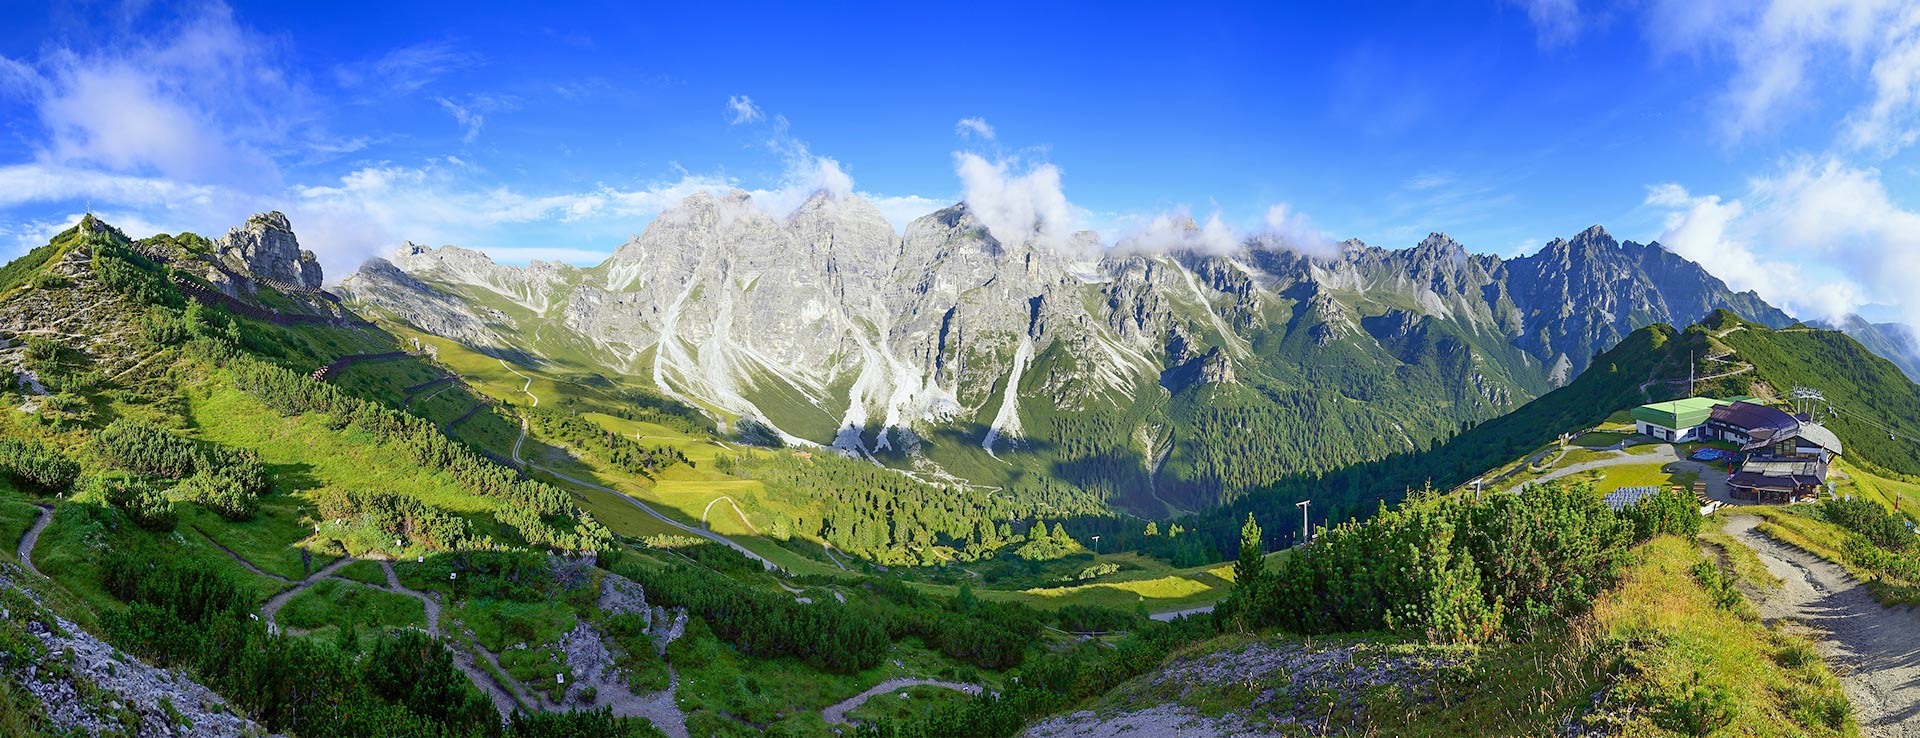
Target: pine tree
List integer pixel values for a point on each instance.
(1253, 561)
(1153, 529)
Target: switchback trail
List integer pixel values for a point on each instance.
(527, 389)
(272, 608)
(736, 511)
(1872, 648)
(32, 538)
(432, 605)
(836, 714)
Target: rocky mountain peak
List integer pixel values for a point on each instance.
(265, 248)
(1594, 237)
(1441, 243)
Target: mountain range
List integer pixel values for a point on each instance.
(1141, 375)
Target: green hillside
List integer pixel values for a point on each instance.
(306, 530)
(1873, 407)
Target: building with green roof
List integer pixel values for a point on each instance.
(1676, 420)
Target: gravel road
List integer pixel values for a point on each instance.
(1874, 650)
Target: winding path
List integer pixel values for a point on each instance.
(736, 511)
(836, 714)
(527, 388)
(272, 609)
(502, 696)
(702, 532)
(432, 605)
(828, 547)
(32, 539)
(1872, 648)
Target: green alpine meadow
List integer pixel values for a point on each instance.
(1512, 368)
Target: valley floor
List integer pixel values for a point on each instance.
(1875, 650)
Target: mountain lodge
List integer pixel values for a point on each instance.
(1782, 456)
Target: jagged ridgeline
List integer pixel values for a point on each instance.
(1159, 381)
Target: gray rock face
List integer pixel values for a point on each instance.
(85, 686)
(827, 327)
(384, 287)
(265, 248)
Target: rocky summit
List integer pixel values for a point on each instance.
(265, 248)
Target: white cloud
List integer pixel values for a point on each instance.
(1017, 208)
(1178, 232)
(1887, 124)
(1837, 216)
(1294, 230)
(29, 183)
(200, 100)
(1698, 228)
(1554, 21)
(975, 126)
(472, 114)
(1819, 238)
(743, 110)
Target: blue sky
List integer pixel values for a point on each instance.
(1772, 141)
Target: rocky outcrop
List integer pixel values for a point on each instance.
(265, 248)
(85, 686)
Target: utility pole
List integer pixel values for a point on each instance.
(1096, 545)
(1303, 519)
(1690, 374)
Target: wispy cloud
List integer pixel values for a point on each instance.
(1781, 49)
(472, 114)
(1556, 22)
(408, 68)
(1429, 181)
(975, 126)
(742, 110)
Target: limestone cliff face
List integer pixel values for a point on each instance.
(825, 324)
(265, 248)
(384, 287)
